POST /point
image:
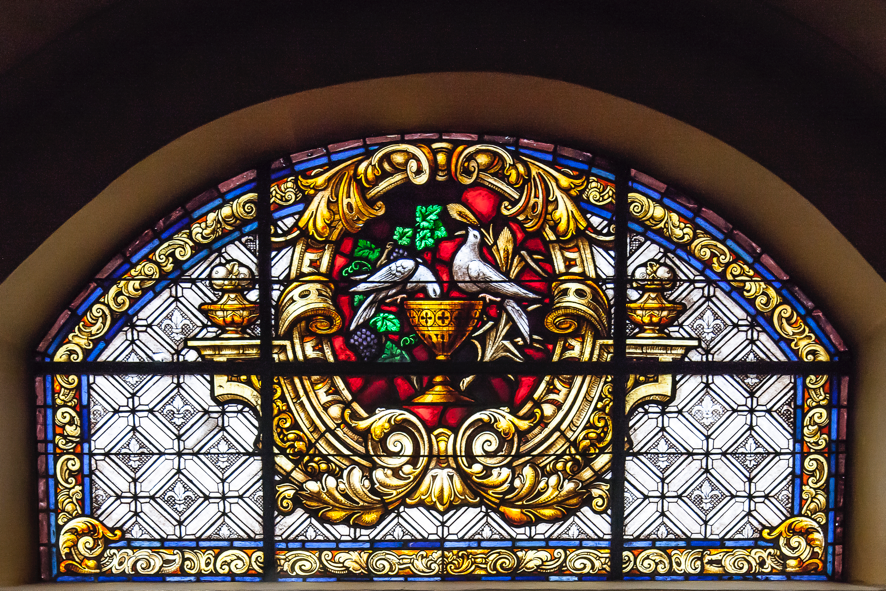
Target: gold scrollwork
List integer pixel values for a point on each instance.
(814, 422)
(69, 492)
(762, 294)
(83, 539)
(815, 469)
(179, 248)
(599, 192)
(341, 196)
(800, 548)
(492, 166)
(801, 542)
(546, 200)
(69, 421)
(790, 325)
(163, 561)
(742, 561)
(501, 561)
(484, 449)
(586, 561)
(309, 298)
(787, 322)
(348, 497)
(339, 204)
(141, 561)
(577, 298)
(156, 561)
(660, 218)
(652, 561)
(224, 219)
(546, 204)
(706, 248)
(298, 563)
(286, 191)
(119, 297)
(82, 542)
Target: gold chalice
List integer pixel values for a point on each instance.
(443, 325)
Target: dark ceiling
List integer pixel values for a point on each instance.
(90, 88)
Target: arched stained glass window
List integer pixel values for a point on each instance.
(470, 358)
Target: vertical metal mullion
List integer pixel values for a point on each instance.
(619, 379)
(266, 361)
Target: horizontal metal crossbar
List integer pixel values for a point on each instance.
(500, 367)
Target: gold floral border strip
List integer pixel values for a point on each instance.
(451, 562)
(786, 321)
(185, 561)
(82, 539)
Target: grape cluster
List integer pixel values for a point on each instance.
(398, 252)
(366, 343)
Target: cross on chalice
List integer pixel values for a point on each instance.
(443, 325)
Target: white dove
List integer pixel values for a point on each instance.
(401, 276)
(474, 275)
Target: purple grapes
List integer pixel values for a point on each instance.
(398, 252)
(366, 343)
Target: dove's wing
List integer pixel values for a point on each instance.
(521, 321)
(368, 308)
(488, 278)
(484, 276)
(386, 277)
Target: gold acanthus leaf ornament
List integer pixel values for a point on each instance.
(474, 466)
(341, 198)
(339, 499)
(442, 485)
(543, 196)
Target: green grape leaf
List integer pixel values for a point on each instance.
(385, 322)
(403, 236)
(358, 299)
(424, 239)
(439, 230)
(393, 353)
(367, 250)
(425, 216)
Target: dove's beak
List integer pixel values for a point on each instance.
(460, 233)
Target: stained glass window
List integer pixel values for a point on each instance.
(441, 357)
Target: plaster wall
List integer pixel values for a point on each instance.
(767, 209)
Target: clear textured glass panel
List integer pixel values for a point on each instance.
(165, 414)
(198, 497)
(715, 462)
